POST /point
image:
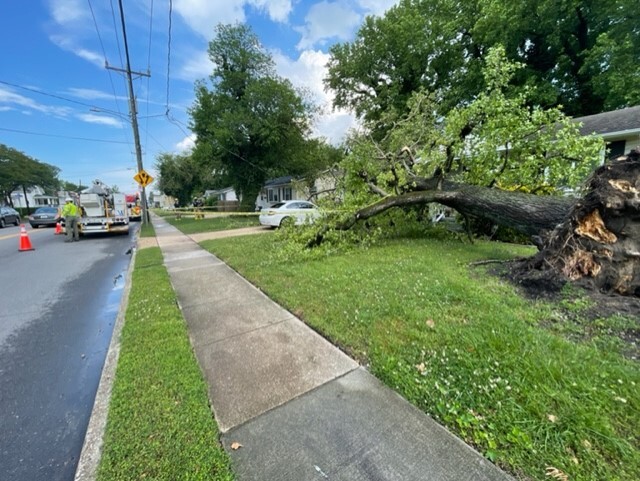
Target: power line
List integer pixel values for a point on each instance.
(63, 136)
(59, 97)
(104, 53)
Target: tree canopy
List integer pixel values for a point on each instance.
(484, 159)
(181, 176)
(580, 54)
(251, 124)
(18, 170)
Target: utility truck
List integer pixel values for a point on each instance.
(103, 210)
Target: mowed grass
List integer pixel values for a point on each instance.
(189, 225)
(467, 349)
(159, 425)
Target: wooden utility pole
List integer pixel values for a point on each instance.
(133, 111)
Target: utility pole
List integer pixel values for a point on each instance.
(132, 109)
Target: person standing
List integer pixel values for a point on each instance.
(70, 213)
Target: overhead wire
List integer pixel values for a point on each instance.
(149, 70)
(62, 136)
(104, 53)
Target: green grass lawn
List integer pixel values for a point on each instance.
(533, 388)
(159, 425)
(189, 225)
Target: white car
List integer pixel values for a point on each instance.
(296, 211)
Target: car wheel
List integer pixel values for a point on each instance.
(1, 223)
(17, 222)
(287, 222)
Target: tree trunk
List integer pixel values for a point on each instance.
(529, 214)
(595, 239)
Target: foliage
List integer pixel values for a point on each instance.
(580, 54)
(251, 125)
(18, 170)
(466, 349)
(497, 140)
(181, 176)
(71, 187)
(160, 424)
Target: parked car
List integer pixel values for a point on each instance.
(9, 216)
(296, 211)
(46, 216)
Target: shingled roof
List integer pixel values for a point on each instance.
(615, 122)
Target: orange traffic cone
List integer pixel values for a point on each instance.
(58, 229)
(25, 243)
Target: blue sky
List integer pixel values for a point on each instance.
(60, 105)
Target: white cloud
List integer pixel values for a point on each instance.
(186, 144)
(203, 15)
(376, 7)
(197, 66)
(12, 98)
(65, 12)
(90, 94)
(100, 119)
(278, 10)
(307, 72)
(328, 20)
(68, 44)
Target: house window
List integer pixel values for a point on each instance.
(615, 149)
(286, 193)
(270, 195)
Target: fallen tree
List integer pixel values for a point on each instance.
(595, 239)
(486, 160)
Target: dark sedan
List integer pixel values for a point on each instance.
(46, 216)
(9, 216)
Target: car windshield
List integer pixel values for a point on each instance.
(277, 206)
(46, 210)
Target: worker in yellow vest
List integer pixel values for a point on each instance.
(71, 212)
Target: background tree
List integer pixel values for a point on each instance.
(19, 171)
(580, 54)
(181, 176)
(71, 187)
(251, 125)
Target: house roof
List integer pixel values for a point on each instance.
(279, 181)
(612, 123)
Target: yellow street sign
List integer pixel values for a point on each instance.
(143, 178)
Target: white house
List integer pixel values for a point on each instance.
(226, 194)
(36, 197)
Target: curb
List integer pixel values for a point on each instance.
(93, 440)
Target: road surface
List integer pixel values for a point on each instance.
(58, 305)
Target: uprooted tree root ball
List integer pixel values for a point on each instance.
(598, 245)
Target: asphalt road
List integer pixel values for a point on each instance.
(58, 305)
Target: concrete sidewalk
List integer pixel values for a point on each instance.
(300, 408)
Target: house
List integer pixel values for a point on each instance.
(226, 194)
(159, 200)
(291, 188)
(35, 197)
(620, 129)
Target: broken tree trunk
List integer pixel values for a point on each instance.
(527, 213)
(595, 239)
(599, 242)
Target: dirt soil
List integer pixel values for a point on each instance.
(549, 286)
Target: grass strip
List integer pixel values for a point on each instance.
(160, 425)
(189, 225)
(147, 230)
(467, 349)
